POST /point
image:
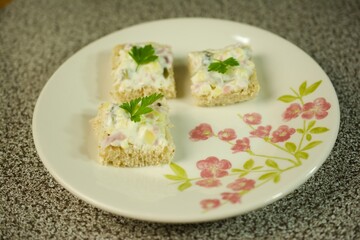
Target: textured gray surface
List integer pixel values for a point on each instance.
(37, 36)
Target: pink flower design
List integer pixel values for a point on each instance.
(282, 134)
(227, 134)
(241, 145)
(241, 184)
(201, 132)
(208, 204)
(209, 182)
(212, 167)
(318, 108)
(231, 197)
(261, 131)
(293, 111)
(252, 118)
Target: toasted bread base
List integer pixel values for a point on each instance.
(131, 157)
(233, 97)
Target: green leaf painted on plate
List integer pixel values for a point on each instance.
(174, 177)
(257, 168)
(276, 178)
(290, 146)
(311, 145)
(267, 175)
(237, 170)
(299, 130)
(308, 137)
(287, 98)
(244, 174)
(312, 88)
(184, 186)
(271, 163)
(318, 130)
(249, 164)
(302, 88)
(179, 171)
(311, 124)
(302, 155)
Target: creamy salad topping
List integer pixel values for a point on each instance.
(150, 131)
(212, 83)
(128, 76)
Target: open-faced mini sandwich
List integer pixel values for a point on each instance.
(141, 69)
(223, 76)
(135, 133)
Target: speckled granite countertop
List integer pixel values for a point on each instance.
(37, 36)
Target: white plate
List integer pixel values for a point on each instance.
(211, 189)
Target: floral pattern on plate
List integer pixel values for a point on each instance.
(260, 168)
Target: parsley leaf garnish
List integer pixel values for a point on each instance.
(143, 55)
(223, 66)
(140, 106)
